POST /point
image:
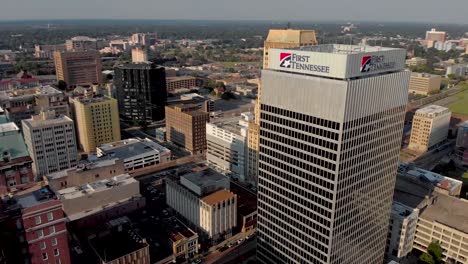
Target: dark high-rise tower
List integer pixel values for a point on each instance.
(141, 91)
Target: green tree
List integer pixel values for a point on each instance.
(433, 254)
(426, 258)
(451, 76)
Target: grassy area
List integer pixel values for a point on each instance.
(461, 105)
(233, 63)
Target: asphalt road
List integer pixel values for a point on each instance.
(231, 254)
(429, 160)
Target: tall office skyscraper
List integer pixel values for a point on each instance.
(330, 130)
(277, 38)
(141, 91)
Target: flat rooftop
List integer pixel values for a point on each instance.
(37, 197)
(92, 99)
(342, 48)
(30, 92)
(425, 75)
(412, 192)
(204, 178)
(218, 196)
(44, 119)
(177, 230)
(131, 147)
(449, 211)
(436, 179)
(230, 124)
(431, 109)
(139, 65)
(12, 142)
(94, 187)
(180, 78)
(83, 166)
(114, 244)
(401, 209)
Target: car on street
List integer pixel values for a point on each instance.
(221, 249)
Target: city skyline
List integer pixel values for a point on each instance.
(362, 10)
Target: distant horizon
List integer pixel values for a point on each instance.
(232, 20)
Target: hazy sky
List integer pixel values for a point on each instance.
(450, 11)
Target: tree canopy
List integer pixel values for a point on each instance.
(433, 255)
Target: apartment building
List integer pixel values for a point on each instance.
(424, 83)
(51, 143)
(97, 121)
(78, 67)
(186, 127)
(430, 128)
(179, 82)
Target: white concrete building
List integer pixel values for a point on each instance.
(226, 141)
(93, 197)
(330, 134)
(136, 153)
(403, 221)
(51, 142)
(445, 220)
(416, 61)
(457, 69)
(430, 128)
(204, 199)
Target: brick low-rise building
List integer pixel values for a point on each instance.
(15, 162)
(43, 223)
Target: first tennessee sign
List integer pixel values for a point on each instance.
(300, 62)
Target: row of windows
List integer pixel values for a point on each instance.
(302, 178)
(275, 148)
(383, 144)
(375, 123)
(317, 214)
(285, 161)
(291, 247)
(314, 194)
(302, 117)
(38, 219)
(299, 126)
(290, 233)
(296, 144)
(367, 137)
(294, 218)
(366, 119)
(268, 163)
(298, 136)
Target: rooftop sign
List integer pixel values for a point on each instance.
(336, 63)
